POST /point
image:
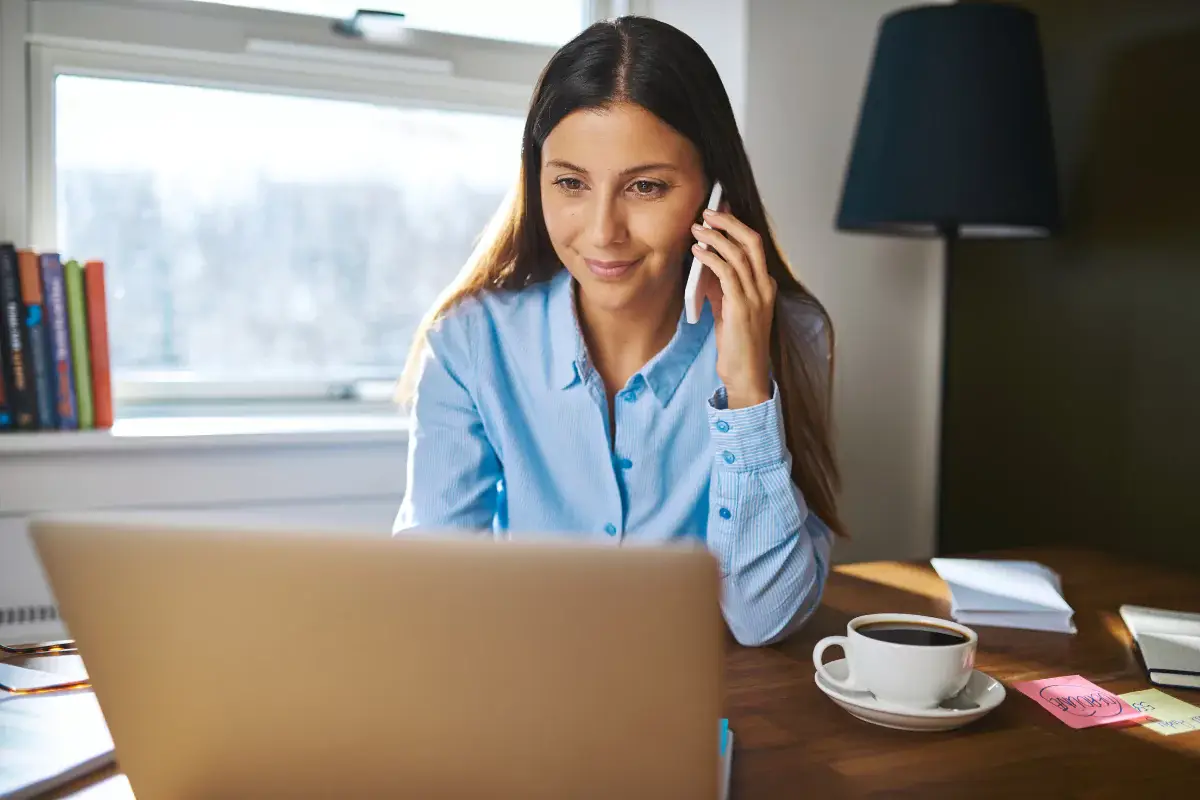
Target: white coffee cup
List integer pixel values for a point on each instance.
(916, 676)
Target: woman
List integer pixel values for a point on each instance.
(557, 386)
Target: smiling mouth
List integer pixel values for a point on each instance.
(610, 269)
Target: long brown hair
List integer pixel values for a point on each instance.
(660, 68)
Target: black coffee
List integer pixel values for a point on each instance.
(911, 633)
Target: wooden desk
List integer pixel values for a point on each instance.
(793, 741)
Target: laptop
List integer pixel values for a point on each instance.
(247, 661)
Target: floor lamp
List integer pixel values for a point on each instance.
(953, 140)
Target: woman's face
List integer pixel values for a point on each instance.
(620, 191)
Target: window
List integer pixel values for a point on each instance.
(253, 236)
(551, 22)
(277, 206)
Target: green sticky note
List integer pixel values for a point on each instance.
(1170, 716)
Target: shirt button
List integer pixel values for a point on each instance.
(722, 426)
(728, 456)
(625, 463)
(610, 529)
(725, 513)
(629, 395)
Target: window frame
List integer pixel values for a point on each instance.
(255, 50)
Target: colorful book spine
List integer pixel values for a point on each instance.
(97, 318)
(37, 342)
(6, 417)
(77, 322)
(55, 290)
(19, 375)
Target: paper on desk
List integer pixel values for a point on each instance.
(1170, 716)
(1009, 594)
(48, 741)
(115, 788)
(1078, 702)
(25, 678)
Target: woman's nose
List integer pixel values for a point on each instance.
(607, 224)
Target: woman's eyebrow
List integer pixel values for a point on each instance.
(650, 167)
(567, 165)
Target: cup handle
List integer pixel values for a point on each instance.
(849, 684)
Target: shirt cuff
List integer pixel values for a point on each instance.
(748, 438)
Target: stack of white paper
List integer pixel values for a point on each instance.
(1005, 594)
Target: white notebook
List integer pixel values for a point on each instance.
(47, 741)
(1006, 594)
(1169, 642)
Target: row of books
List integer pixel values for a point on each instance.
(53, 343)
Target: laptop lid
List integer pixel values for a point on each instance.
(249, 662)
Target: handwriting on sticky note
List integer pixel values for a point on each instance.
(1168, 715)
(1078, 702)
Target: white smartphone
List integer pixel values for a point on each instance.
(693, 301)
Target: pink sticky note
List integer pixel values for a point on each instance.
(1078, 702)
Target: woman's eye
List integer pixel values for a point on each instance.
(648, 188)
(570, 184)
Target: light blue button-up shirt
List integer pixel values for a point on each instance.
(510, 434)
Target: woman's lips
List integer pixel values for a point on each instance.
(610, 270)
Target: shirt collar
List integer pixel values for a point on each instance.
(569, 357)
(666, 370)
(662, 374)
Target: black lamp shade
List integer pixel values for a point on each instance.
(954, 134)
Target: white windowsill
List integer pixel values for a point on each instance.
(206, 432)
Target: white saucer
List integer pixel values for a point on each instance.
(982, 694)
